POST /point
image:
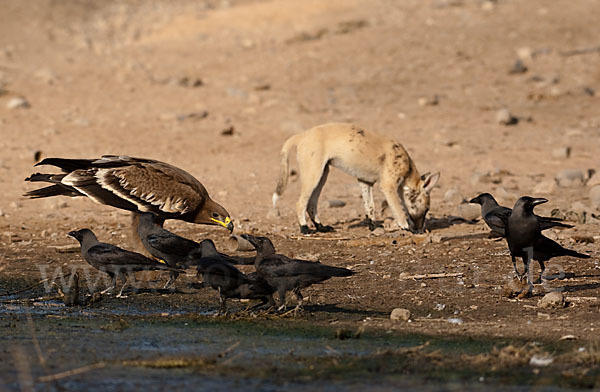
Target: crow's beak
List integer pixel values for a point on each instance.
(540, 200)
(72, 234)
(248, 238)
(475, 200)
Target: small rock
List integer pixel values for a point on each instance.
(568, 337)
(228, 131)
(554, 299)
(18, 103)
(504, 117)
(333, 203)
(595, 198)
(379, 231)
(561, 152)
(453, 195)
(193, 116)
(488, 5)
(589, 91)
(429, 101)
(540, 361)
(518, 68)
(455, 320)
(439, 307)
(504, 195)
(1, 212)
(45, 75)
(469, 211)
(400, 314)
(544, 187)
(525, 54)
(571, 177)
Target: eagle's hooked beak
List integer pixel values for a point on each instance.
(228, 224)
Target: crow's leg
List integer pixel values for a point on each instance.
(125, 284)
(542, 269)
(514, 261)
(222, 303)
(282, 305)
(112, 286)
(172, 278)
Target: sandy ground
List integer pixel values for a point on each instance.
(216, 88)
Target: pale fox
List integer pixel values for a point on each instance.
(369, 157)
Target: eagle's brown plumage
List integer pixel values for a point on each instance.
(134, 184)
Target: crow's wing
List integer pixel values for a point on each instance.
(497, 219)
(110, 255)
(171, 244)
(281, 266)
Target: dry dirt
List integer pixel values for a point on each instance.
(216, 87)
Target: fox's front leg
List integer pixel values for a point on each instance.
(390, 191)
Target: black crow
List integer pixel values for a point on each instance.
(163, 244)
(222, 276)
(496, 216)
(170, 247)
(116, 262)
(525, 239)
(287, 274)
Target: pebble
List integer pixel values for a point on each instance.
(540, 361)
(334, 203)
(455, 320)
(571, 177)
(544, 187)
(453, 195)
(228, 131)
(525, 54)
(518, 68)
(469, 211)
(595, 198)
(504, 117)
(561, 152)
(554, 299)
(45, 75)
(18, 103)
(400, 314)
(429, 101)
(379, 231)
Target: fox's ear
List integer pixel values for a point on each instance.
(430, 181)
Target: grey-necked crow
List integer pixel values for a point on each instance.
(222, 276)
(116, 262)
(287, 274)
(525, 239)
(496, 216)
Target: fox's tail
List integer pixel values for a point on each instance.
(284, 170)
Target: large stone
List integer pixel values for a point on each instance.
(504, 117)
(469, 211)
(554, 300)
(400, 314)
(571, 177)
(18, 103)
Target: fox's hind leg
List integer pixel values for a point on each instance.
(313, 203)
(313, 175)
